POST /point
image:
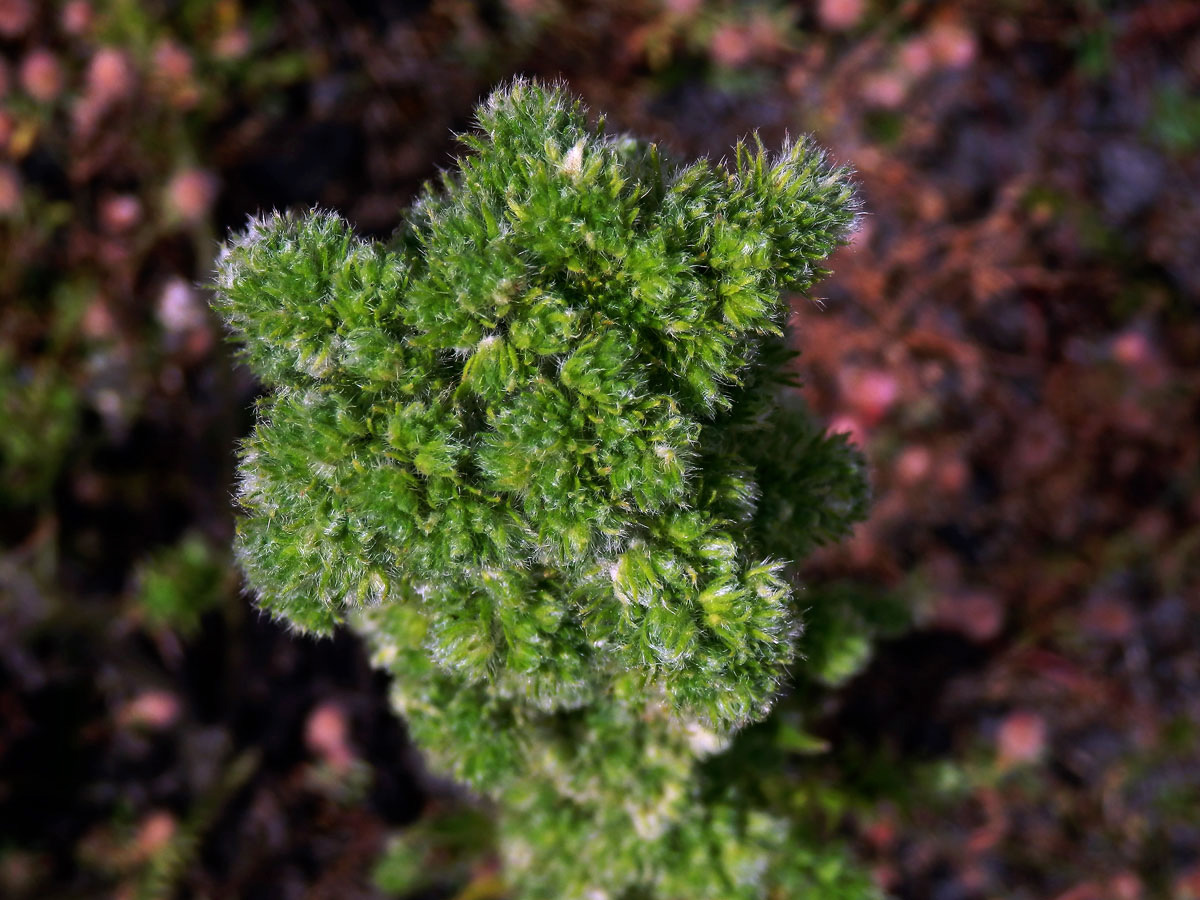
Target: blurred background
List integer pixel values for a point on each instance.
(1013, 338)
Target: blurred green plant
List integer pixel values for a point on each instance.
(162, 872)
(38, 416)
(1175, 122)
(448, 846)
(788, 770)
(842, 622)
(148, 856)
(179, 584)
(544, 453)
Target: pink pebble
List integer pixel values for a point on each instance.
(172, 63)
(914, 464)
(76, 17)
(976, 614)
(191, 194)
(109, 76)
(326, 734)
(152, 709)
(232, 44)
(41, 75)
(848, 424)
(15, 17)
(840, 15)
(1131, 348)
(952, 474)
(154, 833)
(916, 56)
(731, 46)
(952, 45)
(1021, 738)
(120, 212)
(885, 89)
(871, 393)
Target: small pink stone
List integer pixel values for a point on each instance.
(848, 424)
(1187, 885)
(862, 234)
(109, 76)
(731, 46)
(41, 75)
(179, 310)
(952, 474)
(76, 17)
(840, 15)
(120, 212)
(952, 45)
(1021, 739)
(191, 194)
(881, 834)
(1131, 348)
(1126, 886)
(86, 115)
(172, 63)
(15, 17)
(153, 709)
(914, 465)
(916, 57)
(885, 89)
(154, 833)
(797, 79)
(326, 734)
(232, 44)
(871, 393)
(98, 322)
(976, 614)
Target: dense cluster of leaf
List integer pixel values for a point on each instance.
(540, 450)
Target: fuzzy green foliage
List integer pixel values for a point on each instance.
(541, 450)
(446, 846)
(179, 584)
(842, 622)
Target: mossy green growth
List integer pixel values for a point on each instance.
(179, 584)
(541, 450)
